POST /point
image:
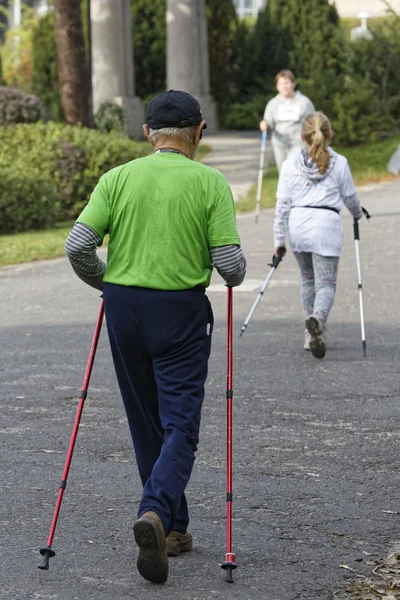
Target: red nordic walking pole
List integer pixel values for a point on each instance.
(48, 552)
(230, 559)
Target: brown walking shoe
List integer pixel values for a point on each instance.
(179, 542)
(152, 562)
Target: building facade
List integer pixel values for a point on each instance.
(346, 8)
(374, 8)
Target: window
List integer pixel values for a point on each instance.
(248, 8)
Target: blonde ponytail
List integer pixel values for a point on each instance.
(316, 131)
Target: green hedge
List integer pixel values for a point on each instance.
(18, 107)
(111, 117)
(359, 116)
(28, 199)
(247, 116)
(73, 158)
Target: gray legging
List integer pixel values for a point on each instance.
(318, 282)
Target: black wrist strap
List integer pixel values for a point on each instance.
(365, 213)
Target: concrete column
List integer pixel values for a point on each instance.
(187, 54)
(112, 60)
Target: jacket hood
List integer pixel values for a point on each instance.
(310, 170)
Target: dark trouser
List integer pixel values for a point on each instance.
(160, 342)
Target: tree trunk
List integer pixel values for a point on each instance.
(73, 73)
(3, 19)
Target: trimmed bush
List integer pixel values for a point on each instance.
(74, 158)
(28, 199)
(18, 107)
(359, 116)
(110, 117)
(247, 116)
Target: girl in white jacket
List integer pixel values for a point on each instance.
(313, 186)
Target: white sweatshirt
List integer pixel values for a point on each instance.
(285, 116)
(301, 185)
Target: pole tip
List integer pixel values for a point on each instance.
(229, 566)
(47, 553)
(364, 347)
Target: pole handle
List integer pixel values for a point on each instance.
(277, 259)
(264, 138)
(356, 229)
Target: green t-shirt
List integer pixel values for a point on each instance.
(163, 213)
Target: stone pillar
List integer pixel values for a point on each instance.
(187, 54)
(112, 60)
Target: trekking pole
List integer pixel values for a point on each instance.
(47, 552)
(230, 559)
(260, 173)
(360, 288)
(274, 265)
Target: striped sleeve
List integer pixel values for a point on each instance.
(80, 248)
(230, 263)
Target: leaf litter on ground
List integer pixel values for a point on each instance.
(384, 585)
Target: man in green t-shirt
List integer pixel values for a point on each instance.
(170, 220)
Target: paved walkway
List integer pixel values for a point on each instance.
(237, 156)
(316, 443)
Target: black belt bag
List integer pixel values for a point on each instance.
(323, 208)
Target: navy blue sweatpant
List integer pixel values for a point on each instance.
(160, 342)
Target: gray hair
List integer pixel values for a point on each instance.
(185, 134)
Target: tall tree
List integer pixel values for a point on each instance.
(221, 19)
(149, 45)
(3, 18)
(315, 38)
(73, 70)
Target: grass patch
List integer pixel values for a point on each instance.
(33, 245)
(40, 245)
(203, 151)
(368, 164)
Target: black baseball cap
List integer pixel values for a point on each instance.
(174, 109)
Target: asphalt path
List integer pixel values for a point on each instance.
(316, 443)
(237, 156)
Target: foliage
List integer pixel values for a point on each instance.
(358, 116)
(44, 65)
(73, 157)
(247, 116)
(149, 45)
(270, 46)
(377, 59)
(221, 18)
(18, 107)
(242, 62)
(317, 48)
(110, 117)
(27, 198)
(368, 105)
(17, 50)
